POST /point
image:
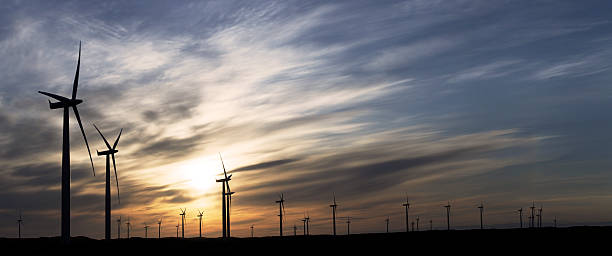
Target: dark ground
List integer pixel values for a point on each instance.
(584, 240)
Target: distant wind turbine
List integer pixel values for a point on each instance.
(417, 219)
(294, 230)
(481, 208)
(281, 210)
(334, 206)
(128, 227)
(119, 228)
(407, 206)
(448, 206)
(252, 233)
(183, 222)
(146, 227)
(412, 223)
(540, 216)
(387, 222)
(304, 222)
(200, 217)
(430, 224)
(532, 217)
(177, 229)
(226, 200)
(19, 223)
(66, 104)
(555, 222)
(159, 223)
(520, 211)
(307, 223)
(107, 198)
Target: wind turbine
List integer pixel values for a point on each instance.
(226, 200)
(430, 224)
(348, 225)
(407, 206)
(334, 206)
(177, 228)
(107, 198)
(448, 206)
(200, 217)
(128, 227)
(183, 222)
(532, 217)
(252, 231)
(146, 227)
(66, 104)
(19, 223)
(304, 222)
(540, 216)
(520, 211)
(412, 223)
(307, 223)
(387, 221)
(294, 230)
(555, 222)
(159, 227)
(119, 228)
(417, 223)
(281, 210)
(481, 208)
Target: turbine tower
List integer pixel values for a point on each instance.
(532, 217)
(146, 227)
(177, 229)
(66, 104)
(200, 217)
(119, 228)
(520, 211)
(252, 231)
(481, 208)
(281, 210)
(107, 198)
(304, 222)
(407, 206)
(555, 222)
(182, 214)
(430, 224)
(412, 223)
(19, 223)
(348, 225)
(417, 223)
(540, 217)
(387, 221)
(128, 227)
(334, 206)
(294, 230)
(226, 198)
(448, 206)
(307, 224)
(159, 227)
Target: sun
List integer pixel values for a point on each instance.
(200, 173)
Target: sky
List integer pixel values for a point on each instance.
(504, 103)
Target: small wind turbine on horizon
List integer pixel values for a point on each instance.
(448, 206)
(183, 214)
(66, 104)
(200, 217)
(430, 225)
(177, 229)
(119, 228)
(481, 208)
(146, 227)
(252, 233)
(540, 216)
(334, 206)
(107, 198)
(520, 211)
(407, 206)
(387, 222)
(412, 223)
(532, 217)
(281, 210)
(159, 223)
(128, 227)
(19, 223)
(294, 230)
(417, 219)
(226, 198)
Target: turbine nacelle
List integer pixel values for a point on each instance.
(107, 152)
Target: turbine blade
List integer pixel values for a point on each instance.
(116, 178)
(224, 172)
(55, 96)
(105, 141)
(117, 140)
(78, 117)
(76, 75)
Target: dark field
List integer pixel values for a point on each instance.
(492, 241)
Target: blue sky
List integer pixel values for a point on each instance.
(500, 102)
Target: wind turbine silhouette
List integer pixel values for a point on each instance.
(417, 219)
(146, 227)
(200, 217)
(532, 217)
(407, 206)
(251, 231)
(334, 206)
(107, 198)
(66, 104)
(304, 222)
(387, 221)
(128, 227)
(430, 224)
(183, 214)
(448, 206)
(19, 223)
(555, 222)
(348, 224)
(177, 229)
(540, 216)
(159, 227)
(281, 210)
(307, 223)
(226, 200)
(412, 223)
(520, 211)
(119, 228)
(294, 230)
(481, 208)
